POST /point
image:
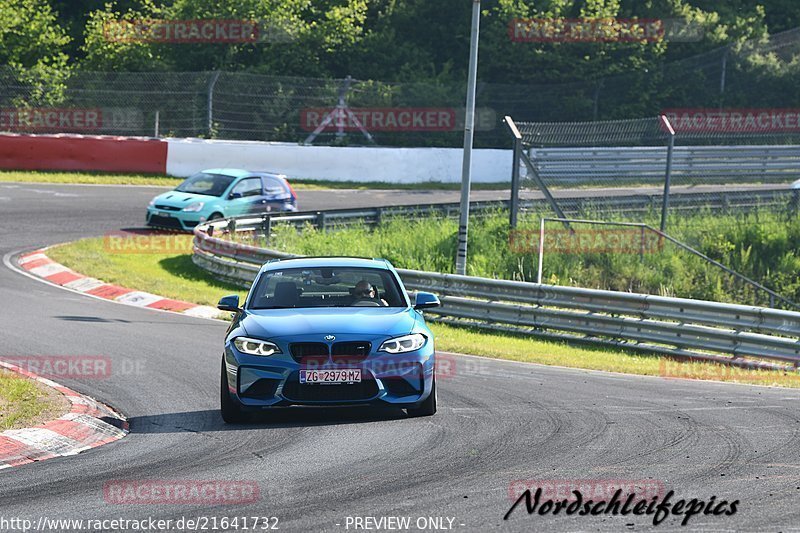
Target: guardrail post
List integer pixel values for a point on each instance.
(266, 228)
(378, 216)
(321, 220)
(232, 226)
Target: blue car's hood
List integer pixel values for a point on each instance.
(378, 321)
(182, 199)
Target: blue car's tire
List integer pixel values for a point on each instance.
(427, 407)
(230, 409)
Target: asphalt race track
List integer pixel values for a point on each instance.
(498, 421)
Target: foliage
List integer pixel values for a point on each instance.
(32, 47)
(762, 245)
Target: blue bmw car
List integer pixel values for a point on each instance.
(327, 332)
(220, 193)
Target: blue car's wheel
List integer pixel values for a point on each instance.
(229, 408)
(427, 407)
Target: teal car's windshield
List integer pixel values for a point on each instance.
(207, 184)
(326, 287)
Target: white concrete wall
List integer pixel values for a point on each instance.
(397, 165)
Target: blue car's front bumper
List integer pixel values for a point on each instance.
(402, 380)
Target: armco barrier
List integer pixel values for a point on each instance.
(670, 326)
(82, 153)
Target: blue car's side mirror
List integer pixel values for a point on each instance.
(234, 195)
(426, 300)
(229, 303)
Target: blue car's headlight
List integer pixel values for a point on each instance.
(153, 202)
(406, 343)
(193, 207)
(255, 346)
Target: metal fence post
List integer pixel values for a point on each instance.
(541, 250)
(210, 95)
(469, 133)
(641, 246)
(514, 171)
(156, 125)
(667, 172)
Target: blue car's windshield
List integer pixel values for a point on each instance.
(326, 287)
(207, 184)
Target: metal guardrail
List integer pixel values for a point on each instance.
(742, 200)
(669, 326)
(646, 163)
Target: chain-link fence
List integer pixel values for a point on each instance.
(729, 196)
(239, 105)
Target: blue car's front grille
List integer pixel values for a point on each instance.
(309, 352)
(342, 352)
(350, 352)
(165, 222)
(167, 207)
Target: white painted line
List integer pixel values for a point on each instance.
(139, 299)
(48, 270)
(32, 257)
(43, 439)
(84, 284)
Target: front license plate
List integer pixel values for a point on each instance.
(165, 215)
(341, 375)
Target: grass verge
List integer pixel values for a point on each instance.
(173, 275)
(25, 403)
(98, 178)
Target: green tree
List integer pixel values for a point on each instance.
(31, 45)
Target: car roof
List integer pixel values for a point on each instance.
(329, 262)
(234, 172)
(241, 173)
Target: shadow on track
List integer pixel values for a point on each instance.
(210, 420)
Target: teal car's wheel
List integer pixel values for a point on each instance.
(428, 407)
(229, 408)
(214, 216)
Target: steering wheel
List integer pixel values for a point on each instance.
(366, 303)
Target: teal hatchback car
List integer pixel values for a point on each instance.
(220, 193)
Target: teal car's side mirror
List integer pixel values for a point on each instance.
(426, 300)
(229, 303)
(234, 195)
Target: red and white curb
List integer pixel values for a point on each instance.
(89, 424)
(38, 264)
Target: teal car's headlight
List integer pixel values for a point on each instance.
(255, 346)
(152, 202)
(406, 343)
(193, 207)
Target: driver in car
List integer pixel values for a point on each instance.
(364, 291)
